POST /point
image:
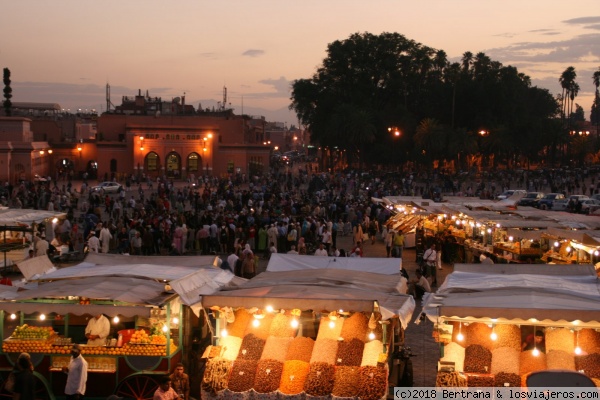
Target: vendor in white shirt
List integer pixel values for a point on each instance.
(97, 330)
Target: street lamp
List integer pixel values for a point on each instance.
(395, 130)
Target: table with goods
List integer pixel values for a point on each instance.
(127, 364)
(294, 354)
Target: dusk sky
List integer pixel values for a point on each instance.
(66, 51)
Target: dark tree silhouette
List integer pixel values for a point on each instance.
(7, 93)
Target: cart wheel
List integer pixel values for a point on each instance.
(41, 391)
(137, 387)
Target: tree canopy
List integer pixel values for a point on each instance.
(368, 82)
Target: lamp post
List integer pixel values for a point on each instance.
(480, 135)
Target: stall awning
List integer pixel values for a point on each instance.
(293, 262)
(205, 281)
(578, 236)
(12, 216)
(163, 272)
(119, 289)
(35, 266)
(548, 294)
(77, 309)
(118, 259)
(319, 290)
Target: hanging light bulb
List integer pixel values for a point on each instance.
(294, 323)
(164, 328)
(577, 348)
(494, 335)
(256, 323)
(116, 319)
(269, 309)
(42, 317)
(556, 244)
(371, 336)
(332, 324)
(535, 352)
(224, 333)
(460, 337)
(13, 316)
(175, 320)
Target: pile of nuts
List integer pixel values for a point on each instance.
(300, 349)
(251, 348)
(344, 384)
(372, 383)
(268, 376)
(242, 375)
(513, 380)
(319, 381)
(325, 350)
(350, 353)
(477, 359)
(293, 377)
(355, 327)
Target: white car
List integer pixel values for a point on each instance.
(37, 178)
(589, 206)
(509, 193)
(108, 187)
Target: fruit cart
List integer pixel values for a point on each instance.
(147, 308)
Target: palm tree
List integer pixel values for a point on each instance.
(566, 82)
(467, 60)
(595, 114)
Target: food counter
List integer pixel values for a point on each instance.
(287, 354)
(512, 304)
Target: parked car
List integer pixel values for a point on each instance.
(547, 202)
(589, 206)
(510, 193)
(108, 187)
(530, 198)
(37, 178)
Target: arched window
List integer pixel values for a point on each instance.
(173, 162)
(152, 161)
(194, 162)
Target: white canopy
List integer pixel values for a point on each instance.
(35, 266)
(12, 216)
(547, 294)
(184, 261)
(318, 290)
(294, 262)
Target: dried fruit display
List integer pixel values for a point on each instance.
(590, 365)
(479, 334)
(480, 380)
(371, 353)
(324, 350)
(560, 339)
(508, 336)
(478, 359)
(230, 346)
(372, 383)
(263, 328)
(268, 376)
(276, 348)
(455, 353)
(558, 359)
(319, 381)
(344, 384)
(216, 375)
(239, 326)
(506, 359)
(242, 375)
(349, 353)
(293, 377)
(450, 379)
(251, 348)
(530, 363)
(282, 326)
(355, 327)
(589, 340)
(513, 380)
(300, 349)
(329, 329)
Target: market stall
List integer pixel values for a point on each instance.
(498, 326)
(565, 246)
(148, 306)
(306, 332)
